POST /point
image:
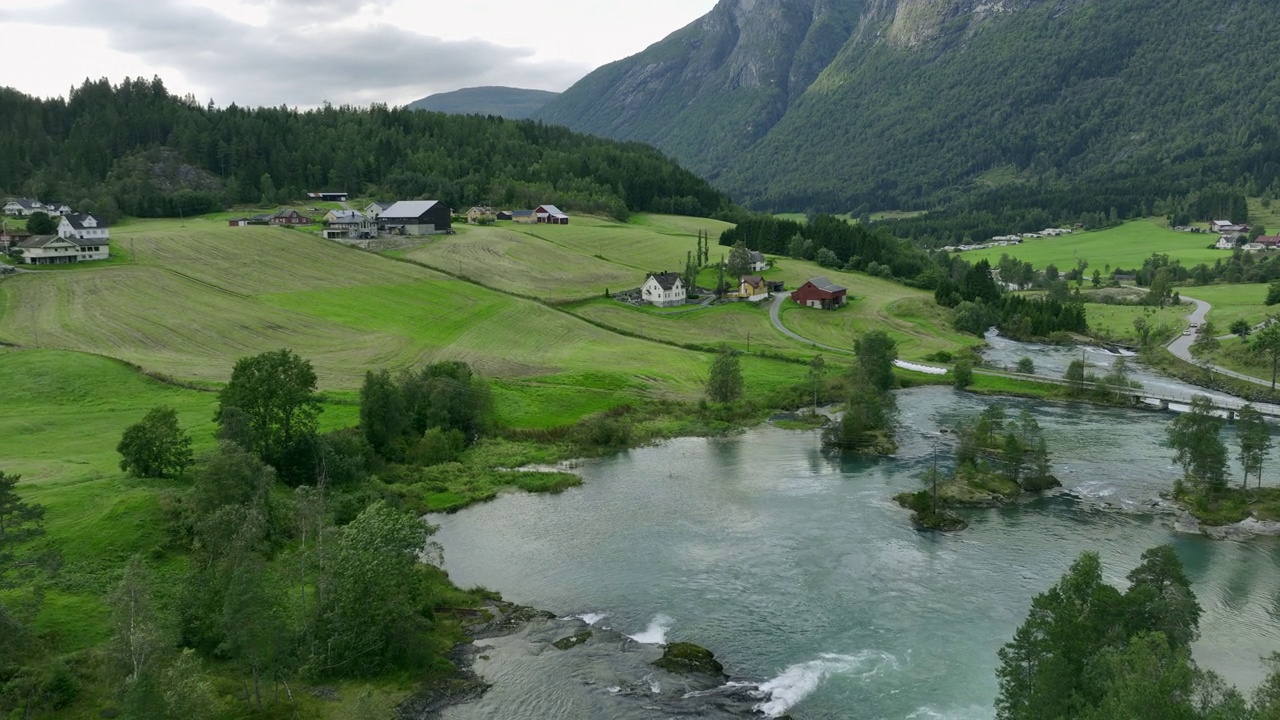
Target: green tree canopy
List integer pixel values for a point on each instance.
(156, 446)
(277, 392)
(724, 382)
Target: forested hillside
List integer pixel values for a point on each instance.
(510, 103)
(844, 105)
(139, 150)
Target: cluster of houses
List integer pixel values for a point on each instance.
(81, 237)
(668, 289)
(404, 217)
(1234, 236)
(1007, 240)
(26, 207)
(546, 214)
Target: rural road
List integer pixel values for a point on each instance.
(1181, 345)
(775, 315)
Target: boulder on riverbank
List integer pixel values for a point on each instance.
(1243, 530)
(689, 659)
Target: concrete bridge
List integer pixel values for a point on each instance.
(1226, 407)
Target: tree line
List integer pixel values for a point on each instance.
(137, 149)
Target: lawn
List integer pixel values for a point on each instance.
(911, 316)
(1115, 322)
(732, 325)
(1233, 302)
(1120, 247)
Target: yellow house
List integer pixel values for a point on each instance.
(753, 288)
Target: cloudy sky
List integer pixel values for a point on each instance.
(305, 52)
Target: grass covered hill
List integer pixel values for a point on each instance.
(793, 104)
(510, 103)
(135, 149)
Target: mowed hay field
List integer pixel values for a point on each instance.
(1120, 247)
(520, 263)
(198, 298)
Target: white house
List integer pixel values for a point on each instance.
(664, 290)
(1226, 242)
(758, 261)
(55, 250)
(83, 226)
(23, 207)
(375, 209)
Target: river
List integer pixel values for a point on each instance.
(806, 580)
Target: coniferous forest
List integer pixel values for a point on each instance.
(136, 149)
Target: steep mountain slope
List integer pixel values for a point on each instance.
(510, 103)
(833, 104)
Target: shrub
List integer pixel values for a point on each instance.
(155, 447)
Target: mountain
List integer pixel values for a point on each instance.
(882, 104)
(510, 103)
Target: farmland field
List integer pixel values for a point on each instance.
(1233, 302)
(1120, 247)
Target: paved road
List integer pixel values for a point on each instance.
(774, 314)
(775, 310)
(1181, 346)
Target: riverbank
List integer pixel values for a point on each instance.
(600, 672)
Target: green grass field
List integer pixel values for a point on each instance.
(1233, 302)
(1115, 322)
(1121, 247)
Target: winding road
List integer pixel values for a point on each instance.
(775, 315)
(1181, 345)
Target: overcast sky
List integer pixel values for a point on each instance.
(305, 52)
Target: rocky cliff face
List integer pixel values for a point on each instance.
(833, 104)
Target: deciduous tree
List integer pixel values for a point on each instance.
(1194, 437)
(724, 382)
(156, 446)
(277, 391)
(1253, 435)
(1267, 343)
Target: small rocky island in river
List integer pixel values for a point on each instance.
(997, 462)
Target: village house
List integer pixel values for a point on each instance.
(820, 293)
(348, 224)
(23, 207)
(84, 226)
(1226, 242)
(58, 250)
(524, 216)
(1226, 226)
(758, 262)
(753, 288)
(329, 196)
(480, 212)
(664, 289)
(1253, 247)
(376, 208)
(551, 215)
(1270, 242)
(11, 238)
(289, 216)
(417, 217)
(504, 215)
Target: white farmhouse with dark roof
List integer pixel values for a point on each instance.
(376, 208)
(84, 226)
(56, 250)
(664, 289)
(23, 207)
(758, 261)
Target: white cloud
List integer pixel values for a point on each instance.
(297, 62)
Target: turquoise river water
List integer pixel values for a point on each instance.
(808, 582)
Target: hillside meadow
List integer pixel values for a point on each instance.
(1124, 247)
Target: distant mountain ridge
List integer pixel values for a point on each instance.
(836, 104)
(507, 102)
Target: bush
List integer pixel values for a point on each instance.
(962, 374)
(437, 446)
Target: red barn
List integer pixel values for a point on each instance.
(820, 293)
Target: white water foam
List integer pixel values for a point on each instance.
(798, 681)
(656, 633)
(592, 618)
